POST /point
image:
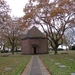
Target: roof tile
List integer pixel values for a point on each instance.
(34, 32)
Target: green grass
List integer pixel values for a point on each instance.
(18, 62)
(63, 60)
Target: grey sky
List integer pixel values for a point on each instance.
(17, 7)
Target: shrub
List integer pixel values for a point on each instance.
(60, 49)
(2, 51)
(73, 47)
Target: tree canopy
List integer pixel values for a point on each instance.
(4, 17)
(4, 11)
(53, 16)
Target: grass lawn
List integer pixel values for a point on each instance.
(12, 64)
(60, 64)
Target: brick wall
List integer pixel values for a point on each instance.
(29, 44)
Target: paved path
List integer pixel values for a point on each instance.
(35, 67)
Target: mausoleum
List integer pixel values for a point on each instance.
(34, 42)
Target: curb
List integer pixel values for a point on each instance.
(25, 68)
(45, 67)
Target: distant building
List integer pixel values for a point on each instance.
(34, 42)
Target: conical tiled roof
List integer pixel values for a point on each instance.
(34, 32)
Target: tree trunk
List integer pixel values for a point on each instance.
(12, 49)
(4, 47)
(55, 51)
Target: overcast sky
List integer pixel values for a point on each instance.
(17, 7)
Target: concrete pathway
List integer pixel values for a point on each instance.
(35, 67)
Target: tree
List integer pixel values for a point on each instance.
(70, 37)
(12, 33)
(4, 11)
(53, 16)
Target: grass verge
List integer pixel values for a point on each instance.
(13, 64)
(64, 59)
